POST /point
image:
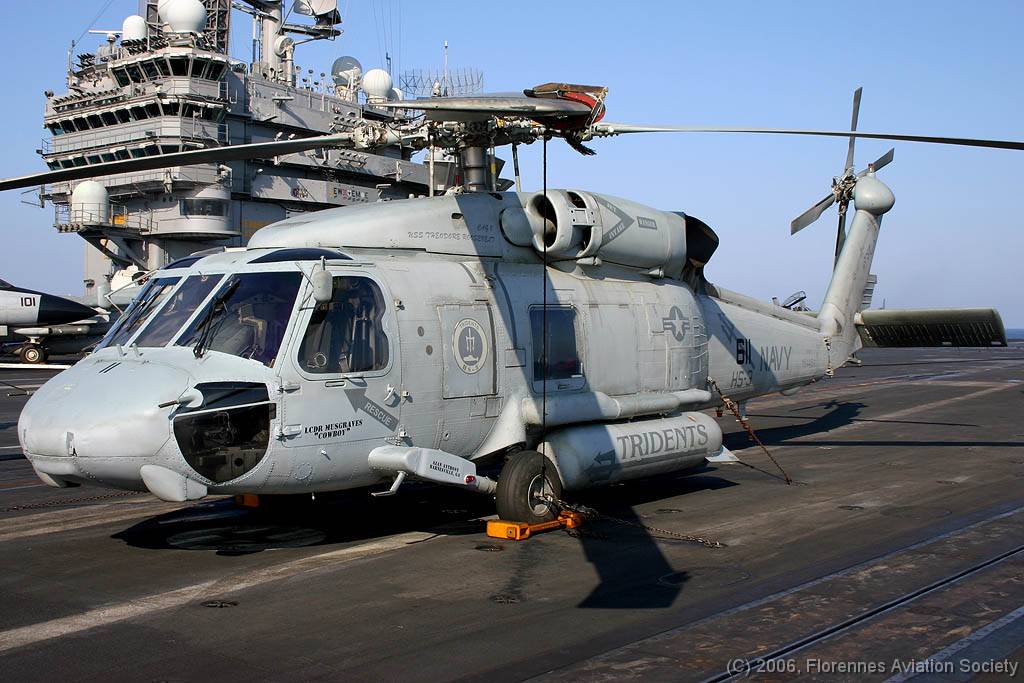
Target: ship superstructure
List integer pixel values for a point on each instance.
(166, 83)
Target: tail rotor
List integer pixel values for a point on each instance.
(842, 185)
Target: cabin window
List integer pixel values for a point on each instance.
(559, 359)
(247, 317)
(346, 334)
(138, 313)
(150, 68)
(179, 308)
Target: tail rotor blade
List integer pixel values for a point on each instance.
(884, 160)
(853, 126)
(810, 215)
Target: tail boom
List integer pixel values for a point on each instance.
(872, 199)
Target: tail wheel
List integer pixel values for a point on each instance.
(526, 482)
(30, 353)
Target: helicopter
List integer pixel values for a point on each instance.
(523, 345)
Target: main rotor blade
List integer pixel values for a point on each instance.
(810, 215)
(256, 150)
(853, 126)
(601, 129)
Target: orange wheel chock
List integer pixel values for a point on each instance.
(520, 531)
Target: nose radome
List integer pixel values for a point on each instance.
(55, 310)
(102, 409)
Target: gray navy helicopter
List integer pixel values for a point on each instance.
(519, 344)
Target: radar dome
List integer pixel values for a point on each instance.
(184, 16)
(395, 95)
(90, 203)
(377, 83)
(346, 72)
(134, 28)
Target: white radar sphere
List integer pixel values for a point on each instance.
(134, 28)
(377, 83)
(90, 202)
(346, 72)
(184, 16)
(395, 95)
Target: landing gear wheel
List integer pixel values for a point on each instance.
(30, 353)
(524, 482)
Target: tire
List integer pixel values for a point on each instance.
(32, 354)
(520, 483)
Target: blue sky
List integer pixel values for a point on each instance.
(954, 238)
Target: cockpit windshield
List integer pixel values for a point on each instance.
(247, 317)
(138, 313)
(182, 304)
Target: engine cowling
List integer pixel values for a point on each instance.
(595, 229)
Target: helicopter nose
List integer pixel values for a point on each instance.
(100, 422)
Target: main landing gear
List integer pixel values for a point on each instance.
(33, 354)
(526, 486)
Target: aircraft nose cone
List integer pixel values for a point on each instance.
(55, 310)
(101, 420)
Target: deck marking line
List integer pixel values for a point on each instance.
(138, 607)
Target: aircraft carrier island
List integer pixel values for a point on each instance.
(166, 84)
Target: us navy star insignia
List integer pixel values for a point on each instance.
(676, 324)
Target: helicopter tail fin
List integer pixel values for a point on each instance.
(846, 290)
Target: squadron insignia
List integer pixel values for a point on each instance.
(469, 344)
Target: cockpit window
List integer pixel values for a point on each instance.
(247, 317)
(346, 334)
(179, 308)
(138, 313)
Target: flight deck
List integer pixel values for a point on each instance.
(897, 552)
